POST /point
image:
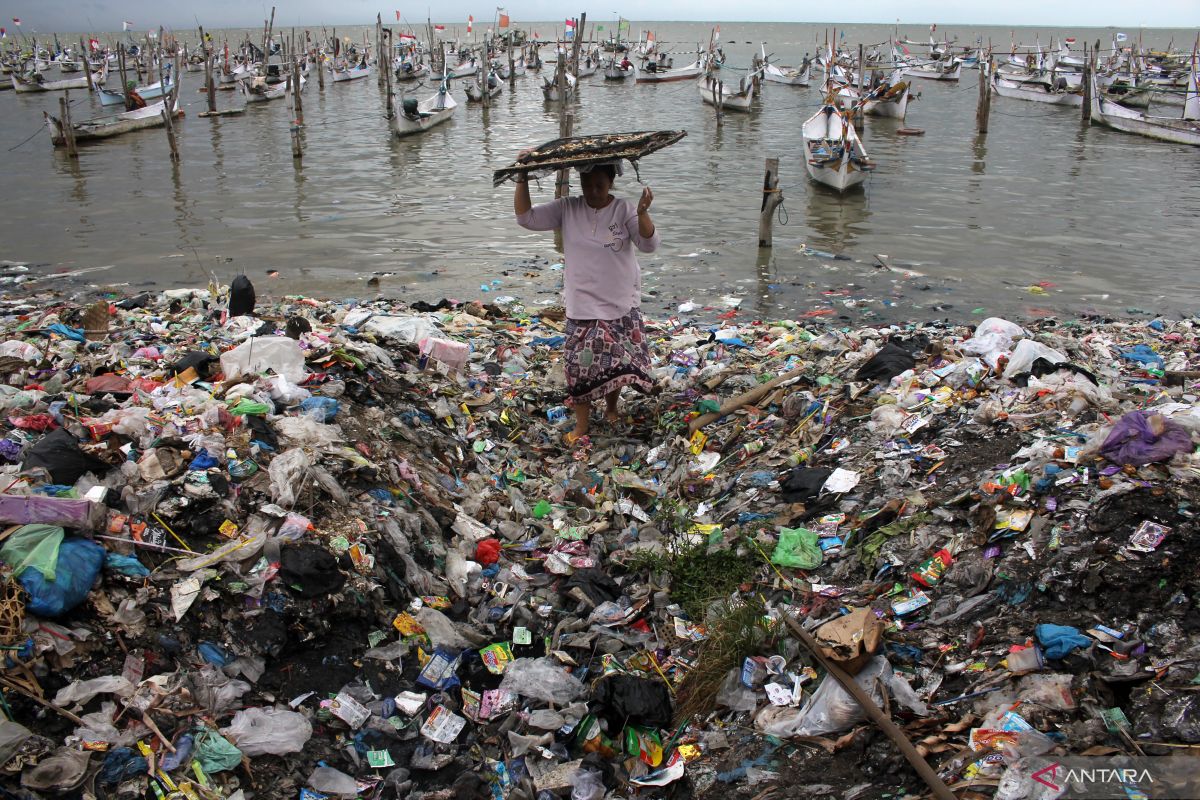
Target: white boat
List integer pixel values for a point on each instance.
(789, 76)
(889, 99)
(410, 116)
(936, 70)
(652, 73)
(104, 127)
(736, 98)
(1038, 92)
(834, 153)
(587, 67)
(259, 91)
(343, 72)
(408, 71)
(1184, 129)
(465, 69)
(475, 91)
(38, 83)
(153, 91)
(519, 67)
(550, 87)
(617, 70)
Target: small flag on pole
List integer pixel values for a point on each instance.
(16, 22)
(3, 33)
(439, 27)
(397, 16)
(504, 20)
(126, 25)
(470, 21)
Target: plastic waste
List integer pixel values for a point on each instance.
(797, 548)
(328, 780)
(542, 679)
(268, 731)
(278, 355)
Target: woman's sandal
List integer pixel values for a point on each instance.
(571, 440)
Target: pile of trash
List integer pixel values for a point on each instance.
(339, 549)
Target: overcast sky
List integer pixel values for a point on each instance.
(107, 15)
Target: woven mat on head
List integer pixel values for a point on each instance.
(580, 151)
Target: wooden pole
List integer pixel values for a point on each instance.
(772, 198)
(87, 67)
(209, 87)
(124, 78)
(389, 99)
(168, 112)
(937, 787)
(576, 45)
(64, 105)
(149, 61)
(984, 109)
(512, 78)
(296, 86)
(379, 58)
(1087, 84)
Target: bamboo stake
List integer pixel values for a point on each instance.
(935, 784)
(743, 399)
(40, 700)
(64, 105)
(772, 198)
(208, 73)
(984, 108)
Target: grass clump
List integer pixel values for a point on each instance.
(735, 631)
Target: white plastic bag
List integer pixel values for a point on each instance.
(278, 354)
(268, 731)
(1026, 352)
(328, 780)
(402, 329)
(543, 679)
(287, 472)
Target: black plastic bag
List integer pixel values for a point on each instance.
(598, 587)
(310, 570)
(803, 484)
(59, 454)
(622, 700)
(889, 362)
(241, 296)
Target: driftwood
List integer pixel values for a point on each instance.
(927, 773)
(743, 399)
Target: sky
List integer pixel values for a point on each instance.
(107, 15)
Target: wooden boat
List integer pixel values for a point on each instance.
(789, 76)
(652, 73)
(475, 90)
(738, 99)
(106, 127)
(587, 67)
(408, 71)
(410, 116)
(343, 72)
(889, 99)
(1181, 130)
(550, 88)
(835, 155)
(153, 91)
(617, 70)
(259, 91)
(1038, 92)
(519, 67)
(38, 83)
(465, 69)
(936, 70)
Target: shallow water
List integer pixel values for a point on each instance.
(1106, 221)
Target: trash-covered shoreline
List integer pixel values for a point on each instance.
(338, 549)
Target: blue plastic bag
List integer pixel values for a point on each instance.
(79, 562)
(326, 407)
(126, 565)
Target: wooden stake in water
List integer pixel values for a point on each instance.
(1087, 84)
(772, 198)
(64, 105)
(208, 73)
(168, 111)
(984, 109)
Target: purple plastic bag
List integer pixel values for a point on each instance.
(1132, 441)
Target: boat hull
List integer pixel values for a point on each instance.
(429, 113)
(93, 130)
(1036, 93)
(935, 74)
(1166, 129)
(668, 76)
(343, 75)
(739, 101)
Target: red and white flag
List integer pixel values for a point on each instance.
(470, 22)
(439, 27)
(16, 22)
(407, 38)
(94, 44)
(570, 23)
(1069, 40)
(397, 16)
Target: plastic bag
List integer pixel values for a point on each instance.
(797, 548)
(735, 695)
(286, 392)
(543, 679)
(1026, 352)
(630, 700)
(1139, 438)
(320, 409)
(831, 708)
(33, 546)
(80, 692)
(268, 731)
(241, 297)
(59, 454)
(287, 472)
(306, 432)
(402, 329)
(328, 780)
(12, 736)
(587, 785)
(79, 562)
(215, 753)
(260, 354)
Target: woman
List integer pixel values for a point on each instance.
(606, 344)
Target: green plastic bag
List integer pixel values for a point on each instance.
(33, 546)
(797, 548)
(214, 752)
(248, 406)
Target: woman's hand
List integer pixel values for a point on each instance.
(644, 204)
